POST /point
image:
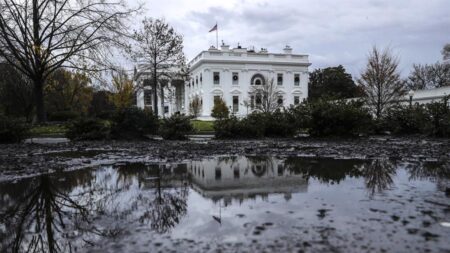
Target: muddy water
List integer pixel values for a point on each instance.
(232, 204)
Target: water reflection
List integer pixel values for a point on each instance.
(45, 218)
(243, 178)
(64, 211)
(56, 213)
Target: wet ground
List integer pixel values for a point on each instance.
(248, 196)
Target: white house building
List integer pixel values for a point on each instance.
(170, 101)
(229, 74)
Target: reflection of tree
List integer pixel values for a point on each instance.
(429, 170)
(169, 204)
(378, 175)
(42, 219)
(325, 170)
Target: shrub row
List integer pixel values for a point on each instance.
(430, 119)
(130, 123)
(12, 130)
(255, 125)
(338, 118)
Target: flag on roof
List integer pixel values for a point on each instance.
(214, 28)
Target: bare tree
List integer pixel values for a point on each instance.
(40, 36)
(429, 76)
(195, 106)
(266, 97)
(381, 81)
(160, 49)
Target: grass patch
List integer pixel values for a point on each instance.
(48, 130)
(203, 126)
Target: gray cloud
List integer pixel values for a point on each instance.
(331, 32)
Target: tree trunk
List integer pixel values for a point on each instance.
(39, 98)
(155, 93)
(162, 102)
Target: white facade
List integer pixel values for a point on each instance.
(230, 73)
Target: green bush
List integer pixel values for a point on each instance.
(255, 125)
(300, 116)
(339, 118)
(220, 109)
(278, 124)
(228, 128)
(63, 116)
(439, 114)
(402, 119)
(133, 123)
(88, 129)
(12, 130)
(176, 127)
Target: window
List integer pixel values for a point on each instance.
(280, 170)
(236, 172)
(201, 79)
(258, 82)
(235, 104)
(196, 80)
(216, 99)
(147, 82)
(258, 100)
(235, 78)
(218, 173)
(296, 79)
(216, 77)
(252, 102)
(166, 109)
(147, 97)
(296, 100)
(280, 100)
(280, 79)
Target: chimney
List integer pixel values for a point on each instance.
(224, 47)
(287, 50)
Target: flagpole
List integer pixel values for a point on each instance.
(217, 36)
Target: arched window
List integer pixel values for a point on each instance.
(257, 79)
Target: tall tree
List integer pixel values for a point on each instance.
(332, 82)
(381, 80)
(160, 49)
(40, 36)
(429, 76)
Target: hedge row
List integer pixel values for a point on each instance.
(338, 118)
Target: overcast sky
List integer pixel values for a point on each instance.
(331, 32)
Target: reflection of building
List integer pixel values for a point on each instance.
(244, 177)
(230, 74)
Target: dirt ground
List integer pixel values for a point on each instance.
(21, 160)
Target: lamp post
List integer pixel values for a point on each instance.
(411, 94)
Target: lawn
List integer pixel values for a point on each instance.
(48, 130)
(203, 126)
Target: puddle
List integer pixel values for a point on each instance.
(232, 204)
